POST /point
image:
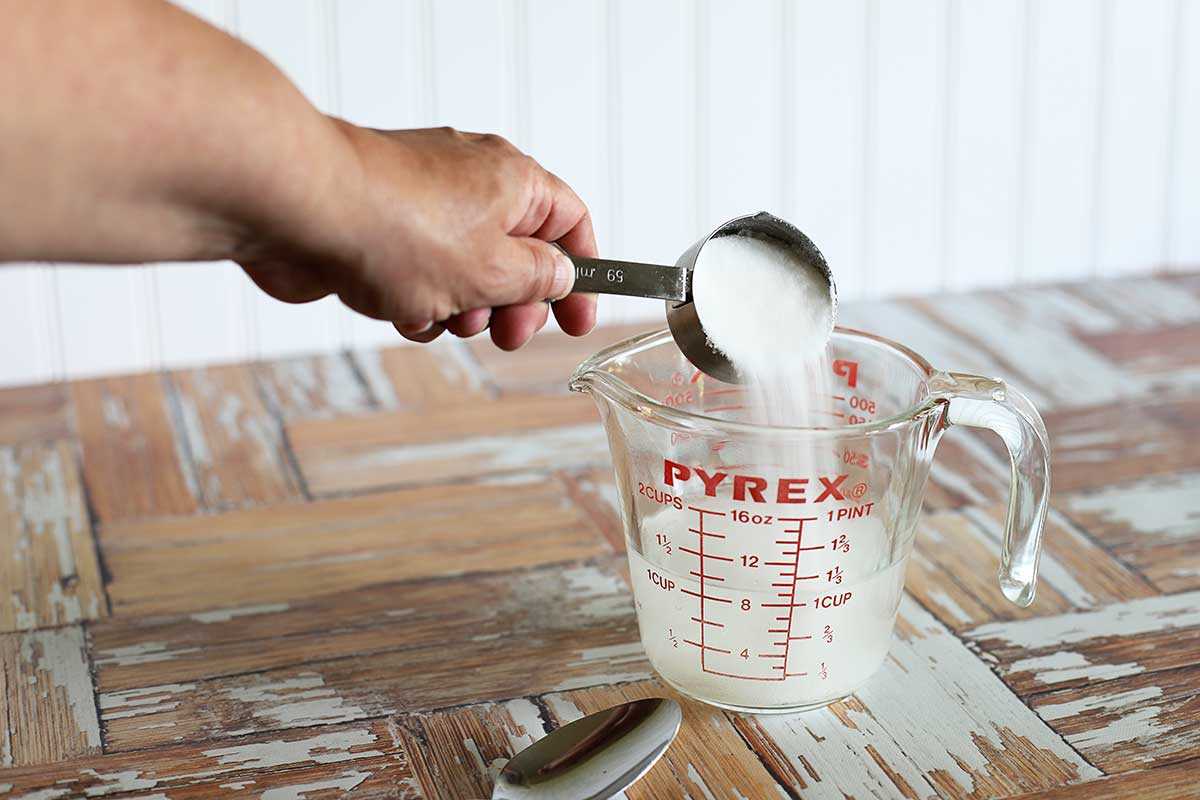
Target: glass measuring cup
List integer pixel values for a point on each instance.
(763, 590)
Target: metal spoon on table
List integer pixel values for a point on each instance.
(592, 758)
(674, 284)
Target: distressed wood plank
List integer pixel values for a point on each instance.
(459, 752)
(1117, 442)
(955, 558)
(238, 456)
(462, 667)
(131, 462)
(1035, 350)
(1174, 782)
(1072, 650)
(595, 491)
(968, 469)
(1142, 302)
(35, 413)
(49, 571)
(313, 387)
(546, 363)
(934, 720)
(1153, 525)
(1129, 723)
(503, 436)
(362, 760)
(49, 713)
(707, 759)
(436, 375)
(272, 555)
(135, 652)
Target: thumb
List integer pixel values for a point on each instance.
(537, 271)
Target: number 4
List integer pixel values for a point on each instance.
(745, 653)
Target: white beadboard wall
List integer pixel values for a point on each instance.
(925, 145)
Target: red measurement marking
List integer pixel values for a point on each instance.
(771, 655)
(708, 622)
(705, 511)
(799, 638)
(815, 547)
(794, 674)
(786, 541)
(780, 605)
(705, 596)
(718, 392)
(742, 677)
(776, 630)
(787, 647)
(834, 396)
(704, 555)
(705, 575)
(778, 564)
(706, 646)
(723, 408)
(706, 533)
(807, 577)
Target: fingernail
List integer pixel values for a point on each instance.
(564, 277)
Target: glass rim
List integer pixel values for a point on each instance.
(591, 373)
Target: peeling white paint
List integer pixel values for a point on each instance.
(297, 702)
(528, 720)
(1163, 508)
(1119, 619)
(61, 657)
(929, 708)
(143, 701)
(400, 612)
(227, 614)
(43, 794)
(602, 595)
(1065, 665)
(1133, 721)
(694, 777)
(144, 653)
(949, 605)
(112, 782)
(370, 366)
(586, 443)
(113, 409)
(325, 748)
(300, 791)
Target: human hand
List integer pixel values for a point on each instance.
(436, 230)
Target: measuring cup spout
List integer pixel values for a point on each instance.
(988, 403)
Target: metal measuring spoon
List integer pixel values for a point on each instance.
(594, 757)
(674, 284)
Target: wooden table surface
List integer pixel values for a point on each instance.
(379, 574)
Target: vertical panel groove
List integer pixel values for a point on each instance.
(785, 176)
(698, 69)
(430, 97)
(1099, 180)
(869, 162)
(1025, 141)
(949, 85)
(514, 16)
(612, 111)
(1174, 122)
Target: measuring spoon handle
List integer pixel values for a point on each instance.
(606, 276)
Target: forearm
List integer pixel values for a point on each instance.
(178, 141)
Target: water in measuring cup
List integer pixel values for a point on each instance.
(757, 612)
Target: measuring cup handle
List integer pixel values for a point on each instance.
(607, 276)
(980, 402)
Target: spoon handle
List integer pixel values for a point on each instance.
(606, 276)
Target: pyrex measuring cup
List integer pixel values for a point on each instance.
(759, 589)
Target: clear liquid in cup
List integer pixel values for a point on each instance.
(787, 613)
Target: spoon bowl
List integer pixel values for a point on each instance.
(594, 757)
